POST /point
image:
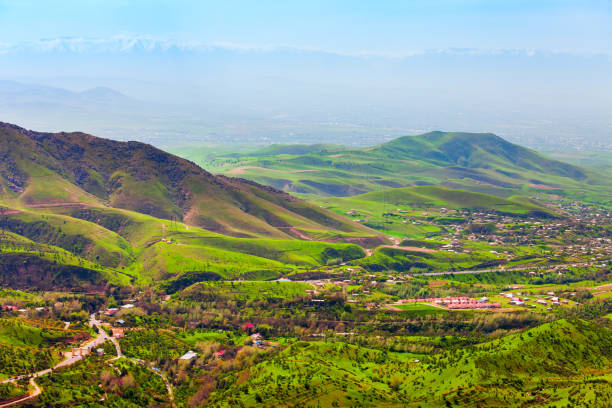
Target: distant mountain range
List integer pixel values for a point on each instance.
(281, 94)
(16, 93)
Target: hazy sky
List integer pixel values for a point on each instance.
(352, 26)
(309, 70)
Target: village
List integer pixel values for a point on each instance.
(579, 234)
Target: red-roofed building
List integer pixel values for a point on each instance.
(117, 333)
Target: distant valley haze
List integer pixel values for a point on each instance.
(207, 74)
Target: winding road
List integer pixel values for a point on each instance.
(101, 338)
(74, 358)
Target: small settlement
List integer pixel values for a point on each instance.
(460, 302)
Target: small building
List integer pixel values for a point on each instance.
(111, 311)
(219, 354)
(189, 356)
(117, 333)
(128, 306)
(100, 352)
(120, 322)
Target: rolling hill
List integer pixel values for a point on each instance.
(425, 196)
(564, 363)
(479, 162)
(45, 169)
(474, 150)
(82, 212)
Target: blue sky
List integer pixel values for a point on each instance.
(521, 68)
(355, 26)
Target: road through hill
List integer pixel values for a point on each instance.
(74, 358)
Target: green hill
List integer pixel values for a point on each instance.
(79, 212)
(557, 364)
(42, 169)
(474, 150)
(425, 196)
(478, 162)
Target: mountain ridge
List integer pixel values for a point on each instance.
(471, 149)
(139, 177)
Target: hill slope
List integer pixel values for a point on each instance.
(420, 196)
(79, 212)
(39, 169)
(474, 150)
(479, 162)
(565, 363)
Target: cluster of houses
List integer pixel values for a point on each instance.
(531, 229)
(456, 302)
(111, 311)
(256, 338)
(464, 302)
(517, 299)
(12, 308)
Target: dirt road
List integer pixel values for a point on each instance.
(101, 338)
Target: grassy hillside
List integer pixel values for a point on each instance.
(436, 196)
(477, 162)
(81, 212)
(46, 169)
(424, 211)
(87, 247)
(475, 150)
(557, 364)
